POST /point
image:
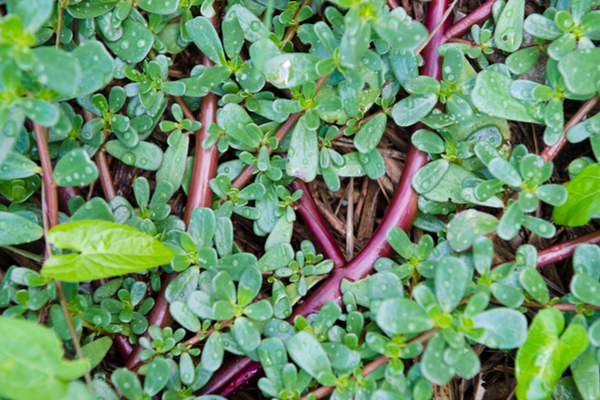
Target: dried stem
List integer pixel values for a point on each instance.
(38, 258)
(50, 217)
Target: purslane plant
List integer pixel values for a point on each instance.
(270, 111)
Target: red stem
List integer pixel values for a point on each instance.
(244, 178)
(200, 195)
(108, 187)
(317, 226)
(64, 195)
(565, 250)
(205, 160)
(550, 152)
(51, 195)
(479, 15)
(402, 212)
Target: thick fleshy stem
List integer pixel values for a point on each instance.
(205, 160)
(317, 226)
(246, 176)
(403, 208)
(64, 195)
(401, 212)
(545, 257)
(372, 366)
(50, 203)
(550, 152)
(200, 195)
(292, 29)
(566, 249)
(479, 15)
(108, 186)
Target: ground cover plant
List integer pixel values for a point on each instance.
(352, 199)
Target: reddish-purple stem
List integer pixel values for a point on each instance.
(402, 212)
(108, 187)
(565, 250)
(246, 175)
(317, 226)
(65, 193)
(479, 15)
(205, 160)
(200, 195)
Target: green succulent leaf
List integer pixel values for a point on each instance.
(508, 34)
(402, 316)
(580, 70)
(75, 169)
(467, 227)
(491, 95)
(309, 354)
